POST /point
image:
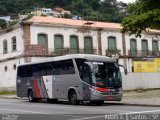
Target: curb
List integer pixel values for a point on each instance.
(137, 104)
(10, 97)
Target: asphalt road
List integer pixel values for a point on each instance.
(21, 109)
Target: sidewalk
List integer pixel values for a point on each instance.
(9, 96)
(136, 98)
(142, 97)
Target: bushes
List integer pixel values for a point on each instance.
(11, 23)
(3, 23)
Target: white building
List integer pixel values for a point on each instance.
(59, 12)
(66, 36)
(11, 48)
(6, 18)
(47, 11)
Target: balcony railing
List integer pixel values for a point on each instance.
(143, 53)
(64, 51)
(111, 52)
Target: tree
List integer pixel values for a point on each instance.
(3, 10)
(109, 11)
(144, 14)
(3, 24)
(101, 10)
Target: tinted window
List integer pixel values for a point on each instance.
(24, 71)
(83, 70)
(65, 67)
(43, 69)
(38, 70)
(49, 68)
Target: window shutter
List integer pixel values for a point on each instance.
(88, 45)
(111, 43)
(58, 44)
(74, 44)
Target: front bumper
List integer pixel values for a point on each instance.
(106, 96)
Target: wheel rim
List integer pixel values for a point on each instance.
(73, 98)
(30, 96)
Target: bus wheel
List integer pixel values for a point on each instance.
(73, 98)
(30, 96)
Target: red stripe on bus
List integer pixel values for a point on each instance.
(102, 89)
(36, 89)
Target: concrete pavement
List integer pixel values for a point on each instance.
(142, 97)
(137, 98)
(24, 110)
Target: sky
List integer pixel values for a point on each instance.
(126, 1)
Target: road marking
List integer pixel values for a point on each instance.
(67, 106)
(23, 111)
(88, 118)
(142, 112)
(37, 112)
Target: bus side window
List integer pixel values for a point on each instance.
(69, 67)
(66, 67)
(38, 70)
(48, 68)
(83, 70)
(24, 71)
(79, 63)
(55, 68)
(86, 76)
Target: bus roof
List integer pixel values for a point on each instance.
(73, 56)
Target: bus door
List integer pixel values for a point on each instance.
(86, 78)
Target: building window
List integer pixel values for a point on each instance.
(133, 47)
(14, 42)
(112, 44)
(43, 40)
(58, 44)
(74, 47)
(88, 46)
(144, 48)
(155, 48)
(5, 68)
(5, 49)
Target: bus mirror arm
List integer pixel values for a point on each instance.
(125, 69)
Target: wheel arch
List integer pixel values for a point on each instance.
(29, 89)
(70, 90)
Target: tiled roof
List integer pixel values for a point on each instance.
(71, 22)
(62, 21)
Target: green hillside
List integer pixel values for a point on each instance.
(99, 10)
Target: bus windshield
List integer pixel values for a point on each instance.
(106, 74)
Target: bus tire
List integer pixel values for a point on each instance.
(73, 98)
(31, 97)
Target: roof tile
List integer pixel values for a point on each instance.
(52, 20)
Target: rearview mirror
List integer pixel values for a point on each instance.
(125, 69)
(90, 66)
